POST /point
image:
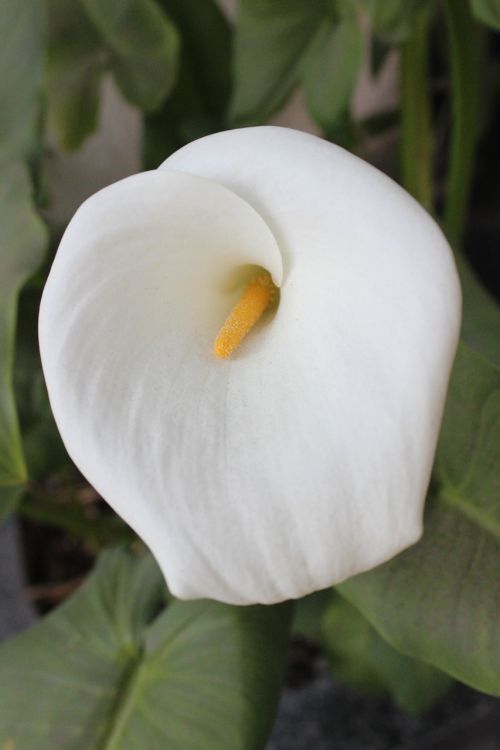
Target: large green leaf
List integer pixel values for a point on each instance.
(134, 39)
(75, 62)
(487, 11)
(197, 105)
(272, 40)
(439, 600)
(20, 75)
(112, 670)
(22, 245)
(331, 70)
(481, 316)
(360, 657)
(142, 47)
(468, 465)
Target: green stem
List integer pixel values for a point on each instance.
(466, 46)
(417, 141)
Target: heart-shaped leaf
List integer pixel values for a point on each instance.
(112, 669)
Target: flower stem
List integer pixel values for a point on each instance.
(466, 46)
(417, 141)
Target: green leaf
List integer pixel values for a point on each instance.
(481, 316)
(20, 75)
(331, 70)
(133, 38)
(272, 39)
(392, 20)
(206, 44)
(107, 672)
(488, 12)
(75, 63)
(22, 238)
(308, 613)
(197, 105)
(142, 46)
(43, 447)
(467, 460)
(438, 601)
(21, 251)
(362, 659)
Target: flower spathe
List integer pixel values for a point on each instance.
(304, 457)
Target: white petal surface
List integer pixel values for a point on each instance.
(356, 363)
(306, 457)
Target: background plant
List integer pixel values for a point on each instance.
(122, 661)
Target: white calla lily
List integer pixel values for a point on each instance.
(302, 459)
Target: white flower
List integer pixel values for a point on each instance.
(304, 457)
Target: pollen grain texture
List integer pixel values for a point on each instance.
(254, 301)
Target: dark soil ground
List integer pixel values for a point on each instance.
(318, 713)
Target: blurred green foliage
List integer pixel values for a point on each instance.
(393, 20)
(24, 235)
(21, 59)
(135, 41)
(363, 659)
(113, 659)
(488, 12)
(198, 103)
